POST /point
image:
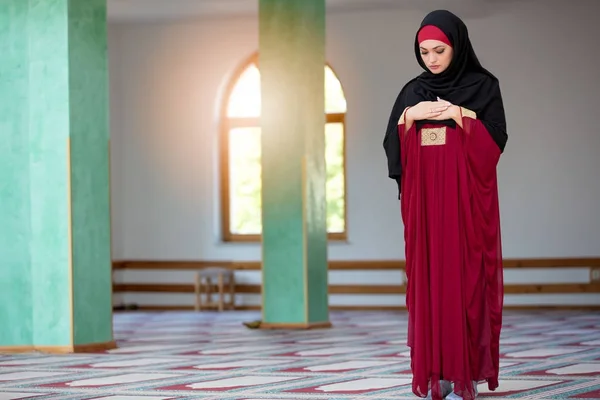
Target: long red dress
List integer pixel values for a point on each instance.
(454, 294)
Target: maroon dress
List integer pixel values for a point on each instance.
(451, 217)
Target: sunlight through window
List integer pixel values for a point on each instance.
(245, 97)
(242, 185)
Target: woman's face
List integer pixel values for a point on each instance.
(436, 55)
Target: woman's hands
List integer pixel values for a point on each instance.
(452, 112)
(432, 110)
(427, 110)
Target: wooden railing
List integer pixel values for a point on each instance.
(593, 286)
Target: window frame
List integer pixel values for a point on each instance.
(226, 123)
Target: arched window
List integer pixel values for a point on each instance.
(240, 155)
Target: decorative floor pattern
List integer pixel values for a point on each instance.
(545, 355)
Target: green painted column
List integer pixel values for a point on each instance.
(16, 301)
(55, 292)
(294, 239)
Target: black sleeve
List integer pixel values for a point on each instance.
(391, 142)
(493, 117)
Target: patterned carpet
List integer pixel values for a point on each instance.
(545, 355)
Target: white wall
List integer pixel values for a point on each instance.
(167, 81)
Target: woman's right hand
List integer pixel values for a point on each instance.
(426, 110)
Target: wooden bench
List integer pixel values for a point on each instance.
(206, 279)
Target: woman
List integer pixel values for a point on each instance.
(444, 139)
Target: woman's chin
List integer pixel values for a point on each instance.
(436, 71)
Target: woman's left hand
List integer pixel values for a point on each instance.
(452, 112)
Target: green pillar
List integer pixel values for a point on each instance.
(294, 239)
(55, 280)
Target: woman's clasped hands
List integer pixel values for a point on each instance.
(439, 110)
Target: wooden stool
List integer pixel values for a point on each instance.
(204, 283)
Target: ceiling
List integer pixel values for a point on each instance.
(161, 10)
(144, 10)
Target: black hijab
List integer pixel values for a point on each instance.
(464, 83)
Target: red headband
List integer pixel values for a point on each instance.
(432, 32)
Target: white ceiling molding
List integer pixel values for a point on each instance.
(169, 10)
